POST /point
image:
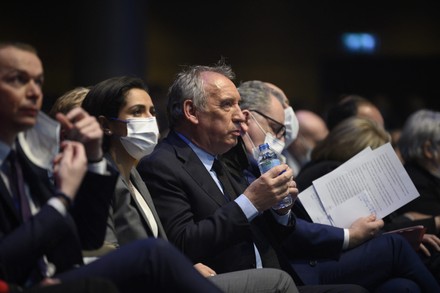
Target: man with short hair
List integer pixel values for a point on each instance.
(211, 217)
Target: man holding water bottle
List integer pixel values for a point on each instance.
(215, 216)
(322, 254)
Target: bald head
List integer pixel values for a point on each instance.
(312, 129)
(311, 125)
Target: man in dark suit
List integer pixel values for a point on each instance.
(44, 226)
(322, 253)
(210, 217)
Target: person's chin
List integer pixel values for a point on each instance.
(27, 123)
(232, 144)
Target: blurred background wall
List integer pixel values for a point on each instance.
(297, 45)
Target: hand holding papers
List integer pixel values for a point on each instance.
(372, 182)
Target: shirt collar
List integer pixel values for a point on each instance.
(4, 152)
(206, 158)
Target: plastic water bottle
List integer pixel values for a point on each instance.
(267, 159)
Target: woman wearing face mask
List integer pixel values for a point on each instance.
(126, 113)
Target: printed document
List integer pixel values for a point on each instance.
(374, 181)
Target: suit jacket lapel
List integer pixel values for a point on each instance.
(193, 166)
(140, 185)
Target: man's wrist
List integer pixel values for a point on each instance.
(65, 199)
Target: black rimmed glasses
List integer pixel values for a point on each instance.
(280, 129)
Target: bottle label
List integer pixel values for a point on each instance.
(268, 164)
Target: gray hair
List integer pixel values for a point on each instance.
(255, 95)
(189, 86)
(279, 95)
(420, 127)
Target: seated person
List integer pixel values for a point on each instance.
(44, 224)
(322, 253)
(121, 105)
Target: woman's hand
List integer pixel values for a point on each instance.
(204, 270)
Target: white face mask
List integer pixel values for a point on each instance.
(275, 144)
(292, 126)
(41, 142)
(142, 137)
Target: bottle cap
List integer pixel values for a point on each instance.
(263, 146)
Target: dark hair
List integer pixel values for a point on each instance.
(345, 108)
(108, 97)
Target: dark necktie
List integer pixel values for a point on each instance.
(21, 200)
(267, 254)
(228, 190)
(17, 186)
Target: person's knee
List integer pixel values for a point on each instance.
(398, 285)
(285, 282)
(395, 242)
(152, 248)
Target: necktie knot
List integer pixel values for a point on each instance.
(217, 167)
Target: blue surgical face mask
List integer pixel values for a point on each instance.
(142, 136)
(292, 126)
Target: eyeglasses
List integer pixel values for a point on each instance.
(280, 130)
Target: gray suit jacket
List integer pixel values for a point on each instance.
(126, 222)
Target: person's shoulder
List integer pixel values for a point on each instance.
(420, 176)
(162, 154)
(314, 170)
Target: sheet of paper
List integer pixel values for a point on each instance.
(346, 213)
(376, 180)
(310, 200)
(313, 205)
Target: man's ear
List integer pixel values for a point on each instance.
(429, 150)
(105, 125)
(247, 115)
(189, 111)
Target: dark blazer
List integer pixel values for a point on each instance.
(60, 238)
(126, 222)
(196, 215)
(429, 188)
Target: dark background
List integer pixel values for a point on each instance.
(293, 44)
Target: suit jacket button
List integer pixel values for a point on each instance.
(313, 263)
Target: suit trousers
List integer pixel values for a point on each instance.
(371, 265)
(255, 280)
(91, 285)
(147, 265)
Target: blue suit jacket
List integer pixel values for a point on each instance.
(60, 238)
(309, 243)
